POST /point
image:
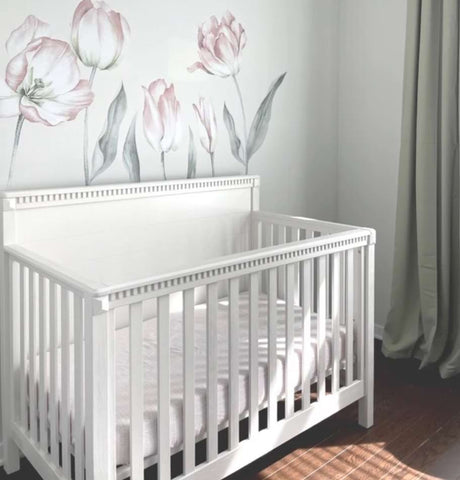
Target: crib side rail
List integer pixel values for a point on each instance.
(312, 225)
(63, 337)
(47, 355)
(329, 288)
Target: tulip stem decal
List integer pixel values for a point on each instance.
(17, 136)
(85, 132)
(211, 156)
(245, 125)
(162, 156)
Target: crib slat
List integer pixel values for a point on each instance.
(23, 319)
(281, 240)
(79, 423)
(136, 424)
(267, 241)
(306, 280)
(335, 319)
(234, 362)
(33, 300)
(211, 327)
(267, 235)
(65, 380)
(289, 380)
(349, 318)
(164, 393)
(189, 380)
(43, 334)
(302, 236)
(272, 353)
(53, 400)
(321, 327)
(253, 354)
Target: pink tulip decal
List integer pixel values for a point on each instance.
(44, 86)
(29, 30)
(207, 127)
(220, 45)
(99, 37)
(162, 122)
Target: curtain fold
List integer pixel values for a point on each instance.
(424, 317)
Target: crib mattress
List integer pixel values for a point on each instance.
(176, 415)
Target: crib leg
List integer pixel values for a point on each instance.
(366, 404)
(100, 390)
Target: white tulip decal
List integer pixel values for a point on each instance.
(207, 125)
(99, 36)
(43, 83)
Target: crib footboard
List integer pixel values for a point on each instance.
(317, 286)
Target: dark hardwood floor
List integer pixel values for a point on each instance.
(417, 419)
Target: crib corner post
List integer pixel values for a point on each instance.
(100, 435)
(366, 404)
(8, 367)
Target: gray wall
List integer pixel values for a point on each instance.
(371, 56)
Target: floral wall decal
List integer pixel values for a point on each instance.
(162, 119)
(220, 45)
(99, 37)
(43, 85)
(207, 125)
(43, 82)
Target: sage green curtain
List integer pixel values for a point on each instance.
(424, 320)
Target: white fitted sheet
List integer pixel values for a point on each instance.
(176, 417)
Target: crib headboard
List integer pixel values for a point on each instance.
(36, 215)
(186, 217)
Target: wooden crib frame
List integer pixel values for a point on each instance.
(324, 267)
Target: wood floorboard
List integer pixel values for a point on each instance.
(417, 419)
(369, 443)
(430, 450)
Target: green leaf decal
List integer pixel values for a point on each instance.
(130, 154)
(235, 142)
(191, 166)
(259, 127)
(106, 147)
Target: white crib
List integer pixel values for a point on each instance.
(142, 322)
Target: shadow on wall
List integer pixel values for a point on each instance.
(43, 84)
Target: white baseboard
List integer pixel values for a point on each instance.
(378, 332)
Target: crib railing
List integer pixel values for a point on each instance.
(47, 338)
(63, 339)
